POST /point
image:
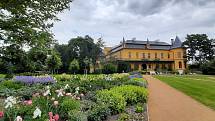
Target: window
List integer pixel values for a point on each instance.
(161, 55)
(149, 55)
(149, 66)
(137, 55)
(179, 54)
(156, 55)
(144, 55)
(168, 55)
(129, 54)
(180, 64)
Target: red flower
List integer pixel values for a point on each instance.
(1, 114)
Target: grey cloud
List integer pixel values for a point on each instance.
(153, 19)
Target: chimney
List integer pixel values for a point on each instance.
(172, 41)
(133, 39)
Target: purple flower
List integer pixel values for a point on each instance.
(34, 79)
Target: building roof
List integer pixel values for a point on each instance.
(177, 43)
(155, 45)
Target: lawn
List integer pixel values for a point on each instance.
(199, 87)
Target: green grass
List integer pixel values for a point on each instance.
(2, 75)
(199, 87)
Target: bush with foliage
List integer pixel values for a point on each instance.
(132, 94)
(139, 108)
(115, 101)
(11, 85)
(99, 113)
(69, 104)
(76, 115)
(208, 67)
(109, 68)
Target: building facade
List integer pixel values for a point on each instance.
(149, 55)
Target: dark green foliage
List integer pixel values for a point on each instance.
(69, 104)
(99, 113)
(76, 115)
(123, 67)
(139, 108)
(109, 68)
(208, 67)
(74, 66)
(53, 62)
(199, 47)
(80, 48)
(27, 23)
(11, 85)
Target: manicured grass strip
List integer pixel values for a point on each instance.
(199, 87)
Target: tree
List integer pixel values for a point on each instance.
(80, 48)
(109, 68)
(199, 47)
(22, 22)
(208, 67)
(26, 23)
(53, 62)
(74, 66)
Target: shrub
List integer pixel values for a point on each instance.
(132, 94)
(139, 108)
(69, 104)
(123, 117)
(115, 101)
(109, 68)
(11, 85)
(208, 68)
(75, 115)
(99, 113)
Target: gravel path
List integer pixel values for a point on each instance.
(168, 104)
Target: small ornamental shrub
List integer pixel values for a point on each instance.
(11, 85)
(132, 94)
(123, 117)
(114, 100)
(139, 108)
(99, 113)
(75, 115)
(69, 104)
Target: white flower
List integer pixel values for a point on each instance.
(77, 90)
(37, 113)
(66, 87)
(18, 118)
(60, 93)
(10, 101)
(47, 92)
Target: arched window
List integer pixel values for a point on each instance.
(180, 64)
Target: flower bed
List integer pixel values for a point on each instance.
(73, 98)
(34, 79)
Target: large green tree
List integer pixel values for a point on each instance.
(26, 24)
(199, 48)
(80, 48)
(53, 62)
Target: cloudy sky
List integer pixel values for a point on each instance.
(154, 19)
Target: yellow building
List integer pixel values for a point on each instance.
(149, 55)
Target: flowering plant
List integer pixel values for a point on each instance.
(34, 79)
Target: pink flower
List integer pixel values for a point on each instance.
(56, 117)
(53, 118)
(68, 94)
(28, 102)
(1, 114)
